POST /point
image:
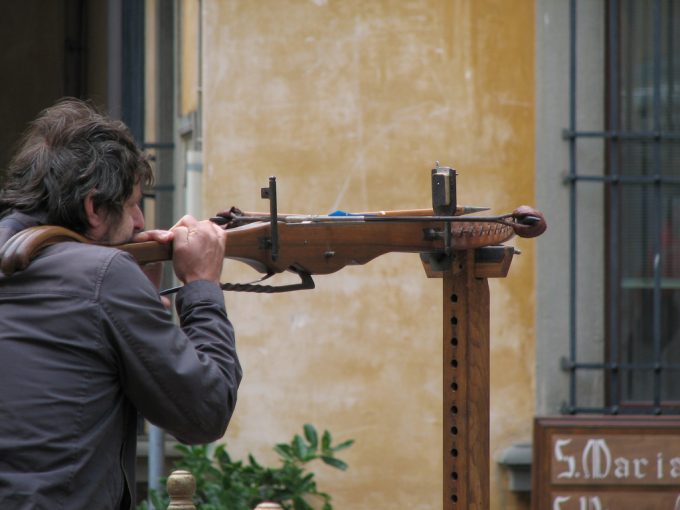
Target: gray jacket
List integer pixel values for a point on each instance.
(84, 343)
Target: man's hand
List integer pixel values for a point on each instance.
(154, 270)
(198, 250)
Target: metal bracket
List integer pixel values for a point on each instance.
(444, 198)
(437, 262)
(269, 193)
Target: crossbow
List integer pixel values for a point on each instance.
(309, 245)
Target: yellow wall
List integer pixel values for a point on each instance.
(349, 103)
(188, 48)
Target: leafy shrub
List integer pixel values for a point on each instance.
(223, 483)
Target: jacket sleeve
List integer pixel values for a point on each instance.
(183, 379)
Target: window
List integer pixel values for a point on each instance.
(640, 194)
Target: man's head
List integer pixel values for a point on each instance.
(82, 170)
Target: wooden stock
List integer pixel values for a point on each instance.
(323, 248)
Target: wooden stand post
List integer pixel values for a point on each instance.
(466, 372)
(466, 387)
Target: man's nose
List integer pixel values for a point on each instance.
(138, 220)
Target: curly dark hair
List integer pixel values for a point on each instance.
(69, 151)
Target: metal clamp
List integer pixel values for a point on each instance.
(269, 193)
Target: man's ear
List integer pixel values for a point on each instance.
(95, 216)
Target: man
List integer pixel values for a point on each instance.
(85, 341)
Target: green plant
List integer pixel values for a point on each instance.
(223, 483)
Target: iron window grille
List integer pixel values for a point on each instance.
(640, 365)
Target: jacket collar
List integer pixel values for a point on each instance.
(16, 221)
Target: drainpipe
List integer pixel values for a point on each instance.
(114, 92)
(194, 180)
(165, 189)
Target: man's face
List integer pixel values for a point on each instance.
(131, 221)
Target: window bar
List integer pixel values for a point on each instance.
(658, 256)
(627, 179)
(627, 410)
(572, 207)
(630, 44)
(594, 410)
(623, 366)
(614, 191)
(623, 135)
(670, 59)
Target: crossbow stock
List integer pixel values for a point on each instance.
(308, 245)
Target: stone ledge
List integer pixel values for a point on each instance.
(517, 460)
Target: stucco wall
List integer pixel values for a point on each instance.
(350, 104)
